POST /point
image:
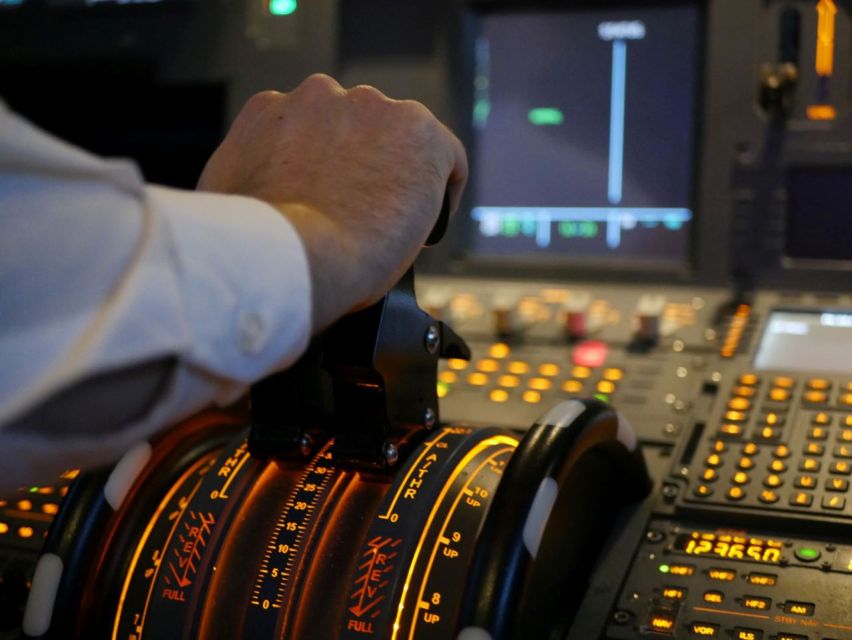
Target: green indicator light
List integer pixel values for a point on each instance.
(664, 568)
(283, 7)
(511, 227)
(33, 489)
(544, 116)
(605, 398)
(481, 111)
(806, 553)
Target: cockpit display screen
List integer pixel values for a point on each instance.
(806, 341)
(584, 133)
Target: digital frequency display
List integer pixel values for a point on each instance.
(806, 341)
(728, 546)
(584, 133)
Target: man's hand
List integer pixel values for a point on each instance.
(361, 177)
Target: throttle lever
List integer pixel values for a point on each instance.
(370, 381)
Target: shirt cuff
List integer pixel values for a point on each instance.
(244, 278)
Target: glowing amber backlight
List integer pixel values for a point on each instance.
(827, 10)
(728, 547)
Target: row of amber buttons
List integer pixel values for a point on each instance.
(770, 496)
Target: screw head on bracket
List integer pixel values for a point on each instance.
(390, 453)
(432, 339)
(429, 418)
(306, 444)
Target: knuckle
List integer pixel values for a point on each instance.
(262, 100)
(319, 83)
(366, 93)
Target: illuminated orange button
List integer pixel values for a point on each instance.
(750, 449)
(821, 418)
(817, 433)
(739, 404)
(442, 390)
(4, 528)
(814, 449)
(498, 395)
(540, 384)
(709, 475)
(837, 484)
(572, 386)
(745, 463)
(810, 464)
(703, 491)
(581, 372)
(731, 430)
(457, 364)
(782, 451)
(801, 499)
(3, 503)
(779, 395)
(749, 379)
(842, 467)
(768, 433)
(743, 392)
(735, 416)
(762, 579)
(714, 597)
(532, 397)
(815, 397)
(773, 419)
(757, 603)
(768, 496)
(548, 369)
(25, 532)
(63, 491)
(518, 367)
(784, 382)
(773, 480)
(736, 493)
(847, 421)
(70, 474)
(806, 482)
(682, 570)
(450, 377)
(740, 477)
(723, 575)
(605, 386)
(719, 446)
(777, 466)
(845, 435)
(25, 505)
(846, 399)
(674, 593)
(488, 365)
(50, 508)
(818, 384)
(612, 374)
(45, 491)
(714, 460)
(662, 623)
(477, 379)
(508, 381)
(499, 350)
(704, 630)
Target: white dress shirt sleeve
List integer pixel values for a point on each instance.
(99, 272)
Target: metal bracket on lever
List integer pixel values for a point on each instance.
(370, 381)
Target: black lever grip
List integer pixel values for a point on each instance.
(441, 224)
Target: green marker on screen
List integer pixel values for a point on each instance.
(545, 116)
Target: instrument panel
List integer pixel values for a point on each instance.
(657, 219)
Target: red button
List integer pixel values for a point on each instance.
(590, 353)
